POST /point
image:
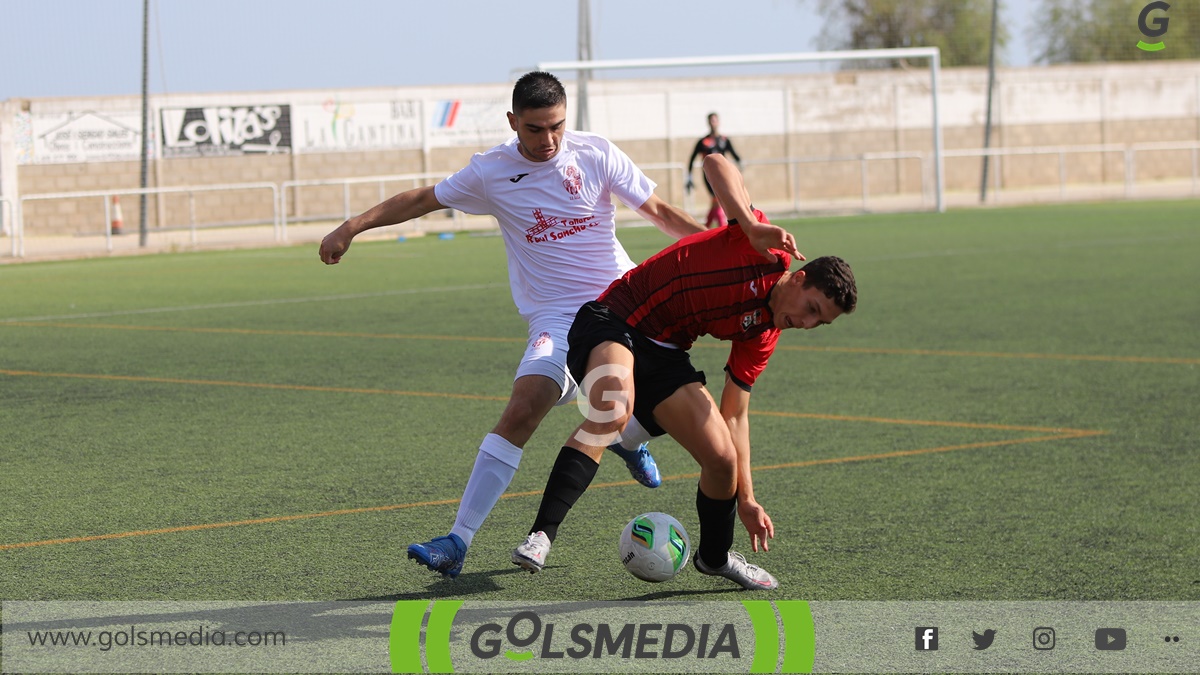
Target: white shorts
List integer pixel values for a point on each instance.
(546, 353)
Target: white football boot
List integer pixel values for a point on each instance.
(532, 554)
(737, 570)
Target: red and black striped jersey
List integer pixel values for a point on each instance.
(711, 283)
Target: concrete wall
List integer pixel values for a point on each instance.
(436, 129)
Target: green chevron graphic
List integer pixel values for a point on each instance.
(766, 635)
(437, 635)
(799, 636)
(798, 633)
(404, 640)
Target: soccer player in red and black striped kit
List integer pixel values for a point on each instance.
(731, 283)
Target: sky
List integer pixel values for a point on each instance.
(59, 48)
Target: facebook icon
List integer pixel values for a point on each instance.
(926, 639)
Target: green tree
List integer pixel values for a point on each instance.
(960, 28)
(1074, 31)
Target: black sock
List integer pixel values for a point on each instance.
(716, 528)
(572, 473)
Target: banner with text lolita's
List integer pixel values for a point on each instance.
(221, 131)
(754, 635)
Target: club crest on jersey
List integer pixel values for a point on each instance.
(573, 182)
(751, 319)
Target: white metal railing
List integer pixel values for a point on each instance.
(345, 183)
(1128, 151)
(15, 208)
(863, 159)
(106, 195)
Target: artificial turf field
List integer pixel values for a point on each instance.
(1011, 414)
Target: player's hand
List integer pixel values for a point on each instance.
(688, 185)
(335, 244)
(758, 524)
(764, 237)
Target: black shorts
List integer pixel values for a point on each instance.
(658, 371)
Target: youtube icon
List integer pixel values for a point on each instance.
(1110, 639)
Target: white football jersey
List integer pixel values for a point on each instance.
(556, 217)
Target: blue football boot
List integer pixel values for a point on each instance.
(443, 554)
(640, 463)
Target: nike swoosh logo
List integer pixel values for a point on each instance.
(517, 178)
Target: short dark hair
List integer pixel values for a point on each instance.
(833, 277)
(537, 90)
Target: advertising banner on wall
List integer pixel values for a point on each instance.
(84, 136)
(226, 130)
(459, 122)
(337, 124)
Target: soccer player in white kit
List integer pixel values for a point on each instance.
(551, 192)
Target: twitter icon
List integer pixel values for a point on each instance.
(984, 641)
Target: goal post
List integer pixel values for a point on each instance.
(933, 54)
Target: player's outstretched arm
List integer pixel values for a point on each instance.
(727, 183)
(398, 209)
(673, 221)
(735, 409)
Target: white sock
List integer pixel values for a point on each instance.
(495, 466)
(634, 435)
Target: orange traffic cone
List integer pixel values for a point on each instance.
(118, 220)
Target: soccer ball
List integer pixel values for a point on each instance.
(654, 547)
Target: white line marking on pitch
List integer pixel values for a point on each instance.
(255, 303)
(1095, 243)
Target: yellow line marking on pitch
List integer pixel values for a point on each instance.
(479, 397)
(995, 355)
(534, 493)
(251, 385)
(1059, 434)
(705, 345)
(213, 526)
(257, 331)
(928, 451)
(925, 423)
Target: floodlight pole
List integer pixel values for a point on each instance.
(584, 74)
(987, 126)
(143, 231)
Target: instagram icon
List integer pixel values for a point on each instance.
(1043, 638)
